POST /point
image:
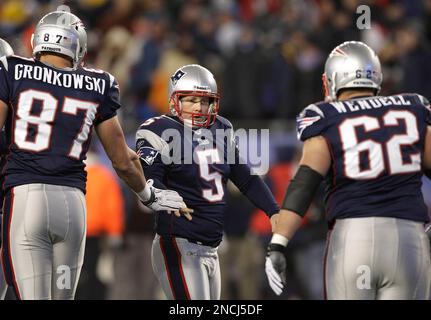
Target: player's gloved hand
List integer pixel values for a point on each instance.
(165, 200)
(275, 267)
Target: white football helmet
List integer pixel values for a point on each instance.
(194, 80)
(5, 48)
(352, 64)
(63, 33)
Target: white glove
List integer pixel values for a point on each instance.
(163, 200)
(275, 268)
(428, 233)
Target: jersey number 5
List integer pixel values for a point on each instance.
(43, 121)
(205, 157)
(376, 151)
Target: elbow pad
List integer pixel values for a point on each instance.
(301, 190)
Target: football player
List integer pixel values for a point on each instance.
(371, 150)
(5, 50)
(50, 105)
(192, 150)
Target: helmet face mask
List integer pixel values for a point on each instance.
(351, 65)
(193, 81)
(196, 119)
(63, 33)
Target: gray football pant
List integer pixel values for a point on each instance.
(185, 270)
(3, 284)
(377, 258)
(44, 230)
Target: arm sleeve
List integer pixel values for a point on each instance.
(111, 102)
(253, 187)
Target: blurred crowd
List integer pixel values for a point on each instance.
(268, 57)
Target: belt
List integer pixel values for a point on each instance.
(212, 244)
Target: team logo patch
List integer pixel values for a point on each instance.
(177, 76)
(303, 122)
(147, 154)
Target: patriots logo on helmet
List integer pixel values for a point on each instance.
(147, 154)
(177, 76)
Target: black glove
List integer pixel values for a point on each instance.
(275, 267)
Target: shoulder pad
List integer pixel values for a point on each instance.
(112, 80)
(225, 122)
(152, 131)
(92, 70)
(309, 122)
(424, 100)
(4, 63)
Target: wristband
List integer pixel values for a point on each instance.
(145, 194)
(279, 239)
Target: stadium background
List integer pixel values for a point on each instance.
(268, 57)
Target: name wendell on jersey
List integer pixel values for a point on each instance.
(313, 113)
(67, 80)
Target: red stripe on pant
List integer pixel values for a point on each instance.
(181, 269)
(174, 269)
(8, 210)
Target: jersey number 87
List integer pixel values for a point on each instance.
(49, 105)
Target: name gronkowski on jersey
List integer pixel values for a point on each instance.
(376, 145)
(197, 164)
(51, 115)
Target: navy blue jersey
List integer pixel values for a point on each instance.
(197, 164)
(376, 145)
(51, 116)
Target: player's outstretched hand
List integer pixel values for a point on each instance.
(164, 200)
(275, 268)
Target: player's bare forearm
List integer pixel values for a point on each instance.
(3, 113)
(132, 174)
(427, 151)
(136, 162)
(124, 160)
(285, 223)
(316, 155)
(314, 165)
